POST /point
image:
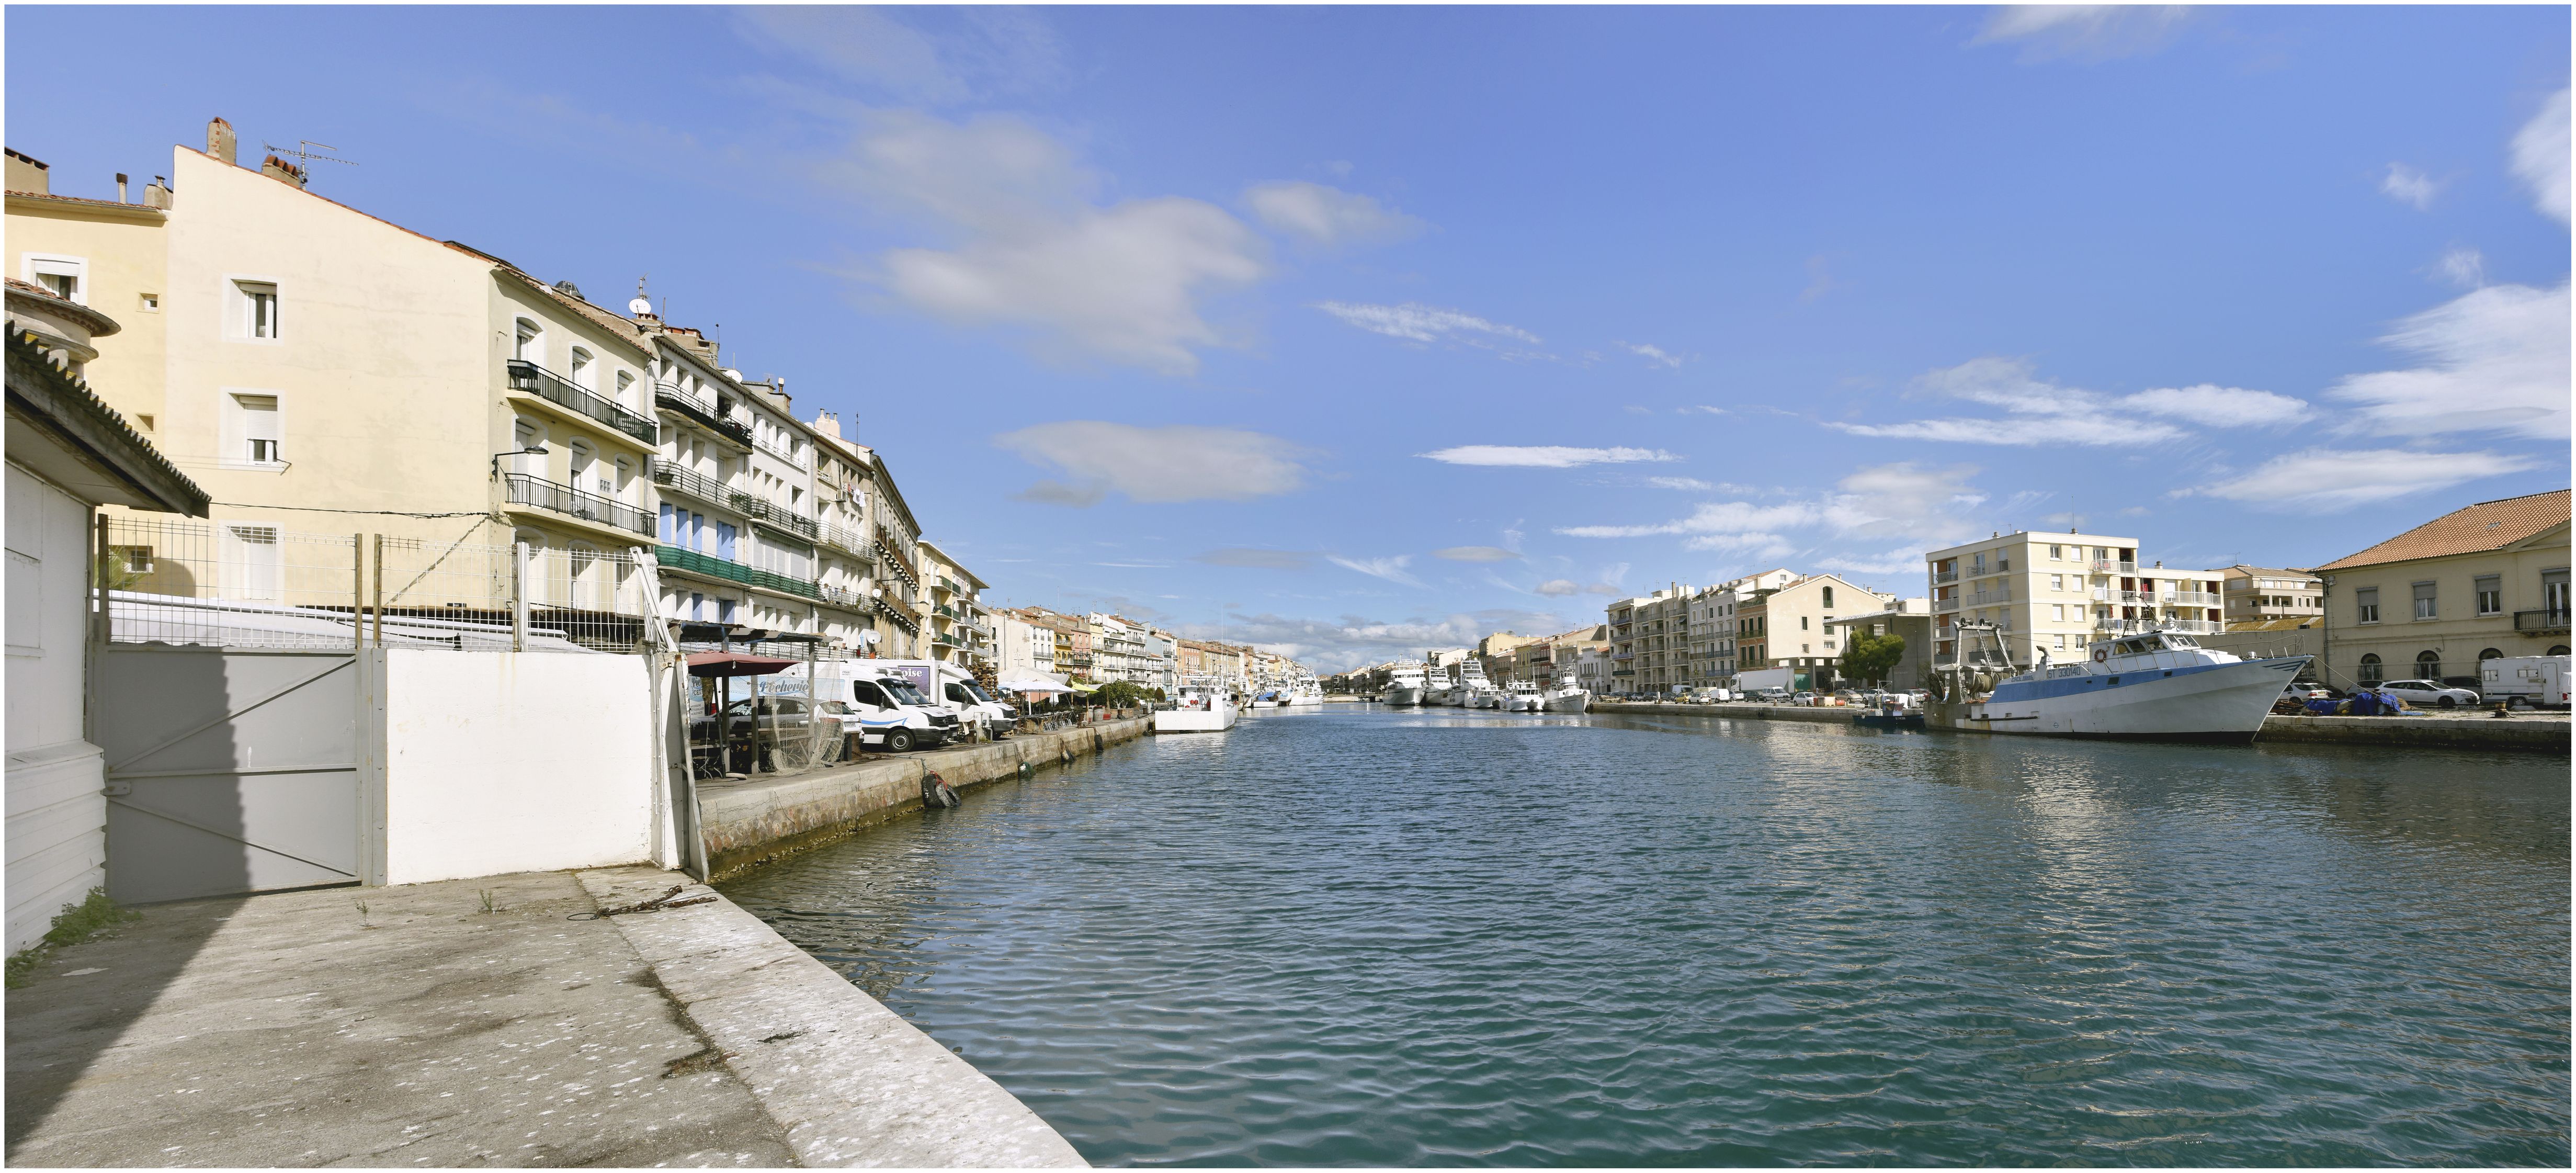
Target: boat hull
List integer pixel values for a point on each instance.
(1195, 720)
(1569, 703)
(1401, 695)
(2223, 703)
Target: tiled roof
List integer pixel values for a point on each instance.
(2487, 525)
(64, 199)
(100, 325)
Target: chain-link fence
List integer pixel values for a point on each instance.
(246, 584)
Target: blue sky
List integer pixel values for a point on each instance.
(1353, 330)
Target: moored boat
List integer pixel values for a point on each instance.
(1200, 707)
(2149, 684)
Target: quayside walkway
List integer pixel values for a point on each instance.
(477, 1022)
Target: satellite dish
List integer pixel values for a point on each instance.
(639, 307)
(869, 637)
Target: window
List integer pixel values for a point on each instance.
(255, 310)
(2490, 590)
(2429, 666)
(65, 277)
(525, 463)
(257, 439)
(1802, 623)
(2370, 669)
(2424, 600)
(530, 343)
(625, 389)
(2056, 554)
(585, 374)
(2057, 582)
(622, 487)
(2365, 606)
(2553, 593)
(1829, 596)
(151, 303)
(2058, 612)
(2060, 642)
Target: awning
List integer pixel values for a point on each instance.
(737, 664)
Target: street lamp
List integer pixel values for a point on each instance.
(535, 450)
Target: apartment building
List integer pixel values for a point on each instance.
(1786, 626)
(1650, 637)
(2485, 581)
(1118, 645)
(2254, 593)
(1711, 627)
(1547, 659)
(1070, 639)
(2055, 593)
(956, 625)
(1021, 649)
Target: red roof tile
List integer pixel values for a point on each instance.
(2487, 525)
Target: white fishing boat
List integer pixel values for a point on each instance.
(1521, 696)
(1306, 690)
(1565, 697)
(1202, 707)
(1473, 690)
(2148, 684)
(1405, 684)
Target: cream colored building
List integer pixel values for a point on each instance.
(955, 622)
(2057, 592)
(1710, 616)
(1786, 626)
(2255, 593)
(2476, 583)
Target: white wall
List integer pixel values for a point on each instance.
(499, 762)
(57, 803)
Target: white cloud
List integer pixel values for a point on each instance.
(2044, 412)
(1257, 558)
(1155, 465)
(2465, 267)
(1566, 586)
(1353, 640)
(2083, 31)
(1122, 282)
(1390, 569)
(1651, 353)
(1476, 554)
(1751, 545)
(2540, 156)
(1913, 504)
(1325, 215)
(1688, 484)
(1714, 517)
(1902, 560)
(1415, 322)
(2409, 186)
(1543, 456)
(976, 52)
(2494, 360)
(2323, 480)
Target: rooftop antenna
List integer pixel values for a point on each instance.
(304, 153)
(642, 305)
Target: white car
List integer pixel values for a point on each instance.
(2430, 694)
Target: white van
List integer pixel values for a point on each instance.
(954, 689)
(2538, 681)
(892, 715)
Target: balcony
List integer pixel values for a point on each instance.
(842, 597)
(2107, 566)
(680, 480)
(732, 571)
(1989, 598)
(1942, 576)
(528, 378)
(898, 616)
(2131, 626)
(572, 502)
(669, 397)
(850, 540)
(779, 452)
(776, 516)
(1946, 605)
(2540, 622)
(2190, 599)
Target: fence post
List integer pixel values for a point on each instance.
(380, 590)
(357, 592)
(518, 596)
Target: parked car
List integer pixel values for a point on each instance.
(2308, 690)
(2429, 694)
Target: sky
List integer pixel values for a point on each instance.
(1353, 331)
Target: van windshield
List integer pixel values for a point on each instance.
(904, 693)
(980, 695)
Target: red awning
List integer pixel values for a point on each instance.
(737, 664)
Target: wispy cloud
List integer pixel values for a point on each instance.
(1476, 554)
(2040, 411)
(1874, 505)
(1651, 353)
(932, 56)
(1325, 215)
(2540, 156)
(1561, 587)
(1390, 569)
(2320, 480)
(1543, 456)
(1687, 484)
(1415, 322)
(2090, 32)
(2463, 266)
(1155, 465)
(2493, 360)
(2409, 186)
(1257, 558)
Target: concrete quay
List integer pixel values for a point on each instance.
(2522, 732)
(749, 822)
(476, 1022)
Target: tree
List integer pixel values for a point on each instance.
(1871, 657)
(1120, 694)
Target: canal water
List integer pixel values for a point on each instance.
(1360, 936)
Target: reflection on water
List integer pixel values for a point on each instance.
(1361, 937)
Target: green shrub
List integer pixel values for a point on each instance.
(77, 923)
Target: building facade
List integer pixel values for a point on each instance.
(2477, 583)
(2055, 593)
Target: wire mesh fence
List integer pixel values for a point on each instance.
(255, 585)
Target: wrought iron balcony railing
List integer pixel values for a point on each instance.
(572, 502)
(730, 570)
(528, 378)
(762, 509)
(698, 485)
(669, 397)
(2543, 620)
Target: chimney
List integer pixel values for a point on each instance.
(219, 140)
(120, 187)
(27, 173)
(828, 423)
(157, 195)
(282, 171)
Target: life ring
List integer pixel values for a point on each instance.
(2100, 656)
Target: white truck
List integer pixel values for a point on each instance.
(2537, 681)
(946, 684)
(1761, 680)
(890, 714)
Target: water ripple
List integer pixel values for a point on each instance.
(1361, 938)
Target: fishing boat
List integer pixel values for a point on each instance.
(1521, 696)
(1473, 690)
(1202, 707)
(1566, 696)
(1405, 684)
(2146, 682)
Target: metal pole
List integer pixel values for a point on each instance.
(380, 590)
(357, 592)
(518, 596)
(724, 710)
(813, 704)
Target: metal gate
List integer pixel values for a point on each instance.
(228, 770)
